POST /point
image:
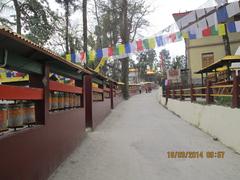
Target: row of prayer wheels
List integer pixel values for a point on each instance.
(16, 115)
(63, 100)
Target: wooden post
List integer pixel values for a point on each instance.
(192, 91)
(236, 92)
(87, 85)
(41, 81)
(167, 94)
(209, 98)
(111, 94)
(181, 93)
(174, 92)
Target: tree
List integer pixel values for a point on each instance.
(146, 59)
(70, 6)
(31, 16)
(166, 60)
(85, 36)
(179, 62)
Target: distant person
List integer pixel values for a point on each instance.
(140, 90)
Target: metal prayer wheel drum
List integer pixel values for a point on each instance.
(15, 115)
(66, 100)
(61, 100)
(54, 101)
(71, 100)
(29, 113)
(50, 101)
(78, 100)
(3, 118)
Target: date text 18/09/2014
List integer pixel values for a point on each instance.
(195, 154)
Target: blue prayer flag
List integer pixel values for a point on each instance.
(73, 57)
(222, 14)
(159, 41)
(128, 48)
(231, 27)
(192, 36)
(99, 53)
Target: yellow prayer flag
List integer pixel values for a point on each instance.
(3, 75)
(185, 35)
(152, 43)
(121, 48)
(101, 63)
(221, 29)
(68, 57)
(92, 55)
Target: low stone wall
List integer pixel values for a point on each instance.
(218, 121)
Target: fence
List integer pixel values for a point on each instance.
(209, 94)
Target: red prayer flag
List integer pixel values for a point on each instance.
(82, 56)
(206, 32)
(139, 45)
(110, 51)
(173, 37)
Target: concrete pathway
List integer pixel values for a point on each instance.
(132, 144)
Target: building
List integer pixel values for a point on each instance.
(133, 76)
(201, 52)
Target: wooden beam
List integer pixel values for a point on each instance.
(56, 86)
(20, 93)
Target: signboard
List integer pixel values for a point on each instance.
(174, 74)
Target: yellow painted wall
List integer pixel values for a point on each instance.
(195, 52)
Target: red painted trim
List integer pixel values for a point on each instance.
(20, 93)
(107, 89)
(56, 86)
(94, 89)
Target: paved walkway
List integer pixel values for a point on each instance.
(132, 144)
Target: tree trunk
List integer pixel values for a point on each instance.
(67, 26)
(125, 39)
(84, 9)
(18, 16)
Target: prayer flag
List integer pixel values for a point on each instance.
(221, 29)
(222, 14)
(105, 52)
(231, 27)
(121, 49)
(206, 32)
(128, 48)
(73, 58)
(99, 53)
(145, 44)
(152, 43)
(159, 41)
(68, 57)
(214, 31)
(92, 55)
(139, 45)
(237, 24)
(110, 51)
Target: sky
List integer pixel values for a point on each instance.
(159, 18)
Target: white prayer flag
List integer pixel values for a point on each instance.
(233, 9)
(202, 24)
(105, 52)
(212, 19)
(237, 24)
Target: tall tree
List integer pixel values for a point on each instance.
(85, 36)
(32, 17)
(70, 6)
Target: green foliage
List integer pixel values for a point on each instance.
(224, 101)
(146, 59)
(179, 62)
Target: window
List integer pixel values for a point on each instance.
(207, 59)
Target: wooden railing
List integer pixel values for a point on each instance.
(209, 92)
